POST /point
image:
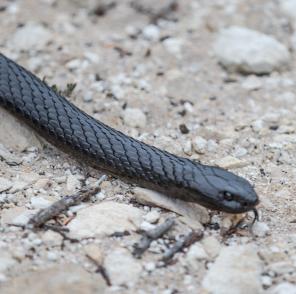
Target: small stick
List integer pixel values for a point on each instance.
(186, 241)
(101, 270)
(63, 204)
(156, 15)
(149, 236)
(104, 274)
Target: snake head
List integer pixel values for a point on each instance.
(222, 190)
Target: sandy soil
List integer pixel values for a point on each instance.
(171, 76)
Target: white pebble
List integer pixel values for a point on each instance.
(257, 125)
(187, 147)
(173, 45)
(240, 152)
(196, 252)
(93, 57)
(134, 117)
(151, 32)
(52, 256)
(39, 202)
(200, 144)
(266, 281)
(145, 226)
(212, 145)
(150, 266)
(152, 216)
(260, 229)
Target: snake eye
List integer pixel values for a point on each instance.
(227, 196)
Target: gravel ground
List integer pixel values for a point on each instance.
(210, 80)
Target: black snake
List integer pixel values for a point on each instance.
(64, 125)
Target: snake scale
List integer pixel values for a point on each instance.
(66, 126)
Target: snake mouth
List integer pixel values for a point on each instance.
(234, 207)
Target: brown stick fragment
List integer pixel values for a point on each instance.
(149, 236)
(104, 274)
(101, 270)
(186, 241)
(163, 13)
(63, 204)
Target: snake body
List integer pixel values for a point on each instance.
(65, 125)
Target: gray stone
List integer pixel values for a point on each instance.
(39, 202)
(134, 117)
(236, 270)
(200, 145)
(15, 135)
(174, 46)
(260, 229)
(249, 51)
(104, 219)
(152, 216)
(151, 32)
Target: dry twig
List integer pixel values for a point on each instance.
(186, 241)
(149, 236)
(42, 216)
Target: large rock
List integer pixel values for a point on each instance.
(67, 278)
(248, 51)
(104, 219)
(236, 270)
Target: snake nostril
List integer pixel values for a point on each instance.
(245, 204)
